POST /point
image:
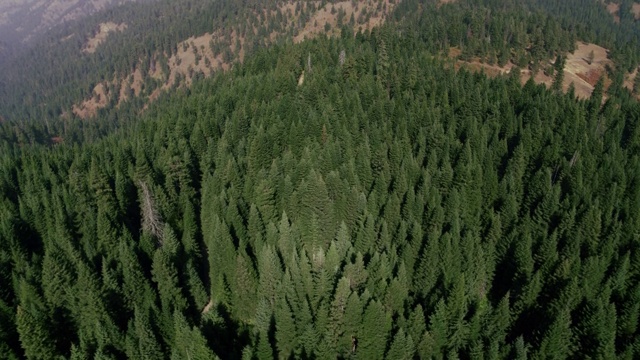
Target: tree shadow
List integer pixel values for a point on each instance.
(228, 337)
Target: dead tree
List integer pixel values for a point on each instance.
(151, 219)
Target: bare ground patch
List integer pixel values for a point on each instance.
(366, 15)
(585, 73)
(614, 10)
(635, 9)
(101, 35)
(89, 107)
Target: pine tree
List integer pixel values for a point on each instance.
(221, 253)
(243, 288)
(558, 340)
(285, 328)
(270, 273)
(338, 309)
(189, 342)
(147, 343)
(559, 73)
(402, 347)
(33, 324)
(376, 324)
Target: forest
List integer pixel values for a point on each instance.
(350, 197)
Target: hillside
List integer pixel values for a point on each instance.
(388, 206)
(192, 51)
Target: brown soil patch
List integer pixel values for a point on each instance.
(155, 71)
(194, 56)
(635, 9)
(614, 9)
(578, 71)
(103, 32)
(125, 87)
(592, 76)
(57, 140)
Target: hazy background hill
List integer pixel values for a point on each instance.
(22, 20)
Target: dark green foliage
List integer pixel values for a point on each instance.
(389, 207)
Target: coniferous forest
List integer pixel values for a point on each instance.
(352, 197)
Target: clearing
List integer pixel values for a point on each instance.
(584, 74)
(581, 73)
